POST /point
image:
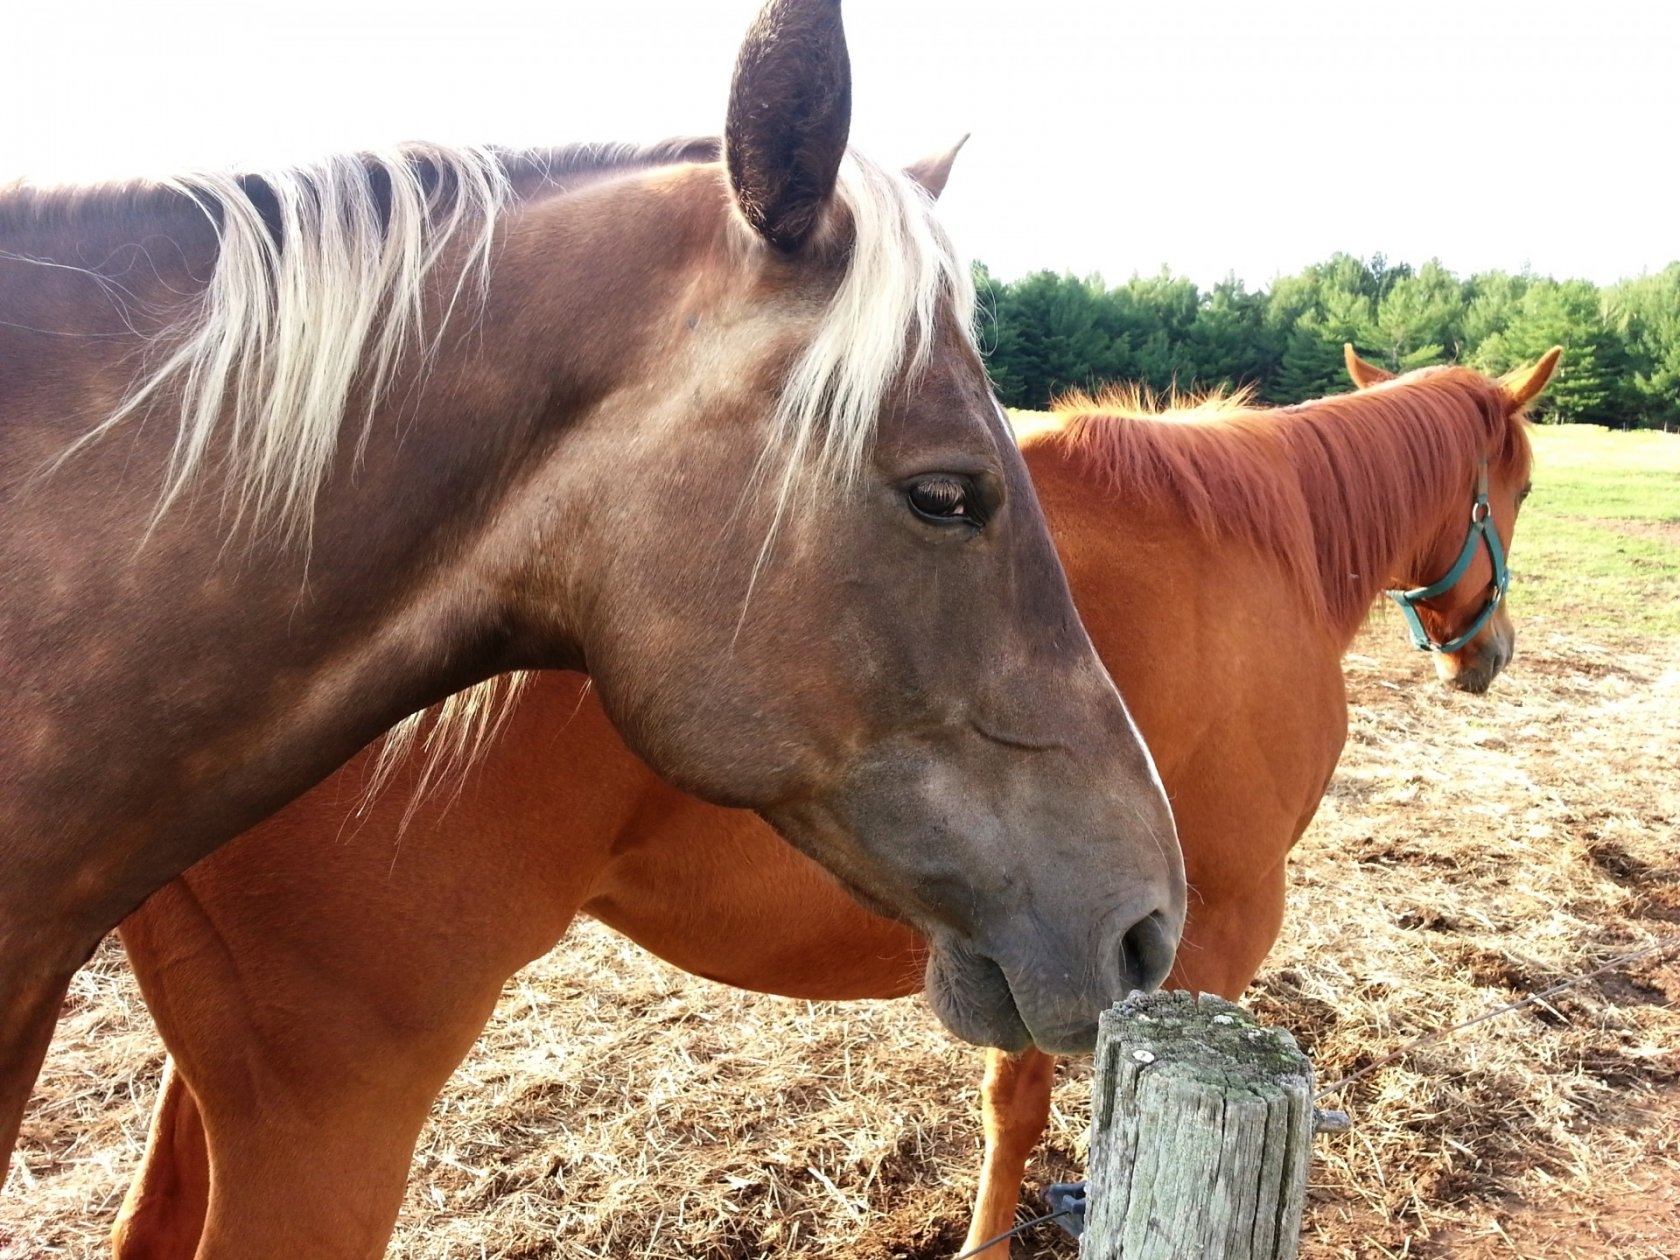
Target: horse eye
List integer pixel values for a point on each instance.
(940, 499)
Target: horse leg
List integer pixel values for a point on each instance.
(1015, 1099)
(162, 1215)
(302, 1134)
(309, 1053)
(327, 1184)
(29, 1006)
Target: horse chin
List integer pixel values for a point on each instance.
(1474, 669)
(1473, 681)
(970, 995)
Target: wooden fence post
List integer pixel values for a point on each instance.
(1201, 1133)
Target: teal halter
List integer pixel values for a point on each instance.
(1482, 531)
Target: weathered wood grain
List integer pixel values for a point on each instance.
(1201, 1134)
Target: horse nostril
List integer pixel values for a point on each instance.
(1146, 953)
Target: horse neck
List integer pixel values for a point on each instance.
(1381, 474)
(386, 601)
(1342, 495)
(486, 385)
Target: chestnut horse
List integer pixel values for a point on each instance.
(319, 979)
(287, 456)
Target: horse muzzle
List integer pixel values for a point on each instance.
(1048, 1003)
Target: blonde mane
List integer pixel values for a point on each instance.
(878, 325)
(452, 736)
(318, 289)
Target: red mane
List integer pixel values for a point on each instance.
(1331, 486)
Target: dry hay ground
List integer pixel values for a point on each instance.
(1470, 850)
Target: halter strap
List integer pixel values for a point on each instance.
(1481, 533)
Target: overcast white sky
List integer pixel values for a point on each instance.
(1212, 136)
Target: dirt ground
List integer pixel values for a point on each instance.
(1471, 850)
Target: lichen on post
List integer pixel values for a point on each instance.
(1201, 1133)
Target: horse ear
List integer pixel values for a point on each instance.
(1364, 374)
(932, 172)
(1524, 384)
(790, 111)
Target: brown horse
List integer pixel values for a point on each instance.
(287, 456)
(319, 979)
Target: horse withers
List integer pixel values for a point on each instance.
(363, 942)
(289, 455)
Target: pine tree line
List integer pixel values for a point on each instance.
(1046, 334)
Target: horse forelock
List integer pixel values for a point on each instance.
(1334, 488)
(876, 329)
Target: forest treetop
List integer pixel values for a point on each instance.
(1046, 334)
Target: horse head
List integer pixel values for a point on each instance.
(1454, 597)
(828, 592)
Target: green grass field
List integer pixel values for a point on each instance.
(1598, 545)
